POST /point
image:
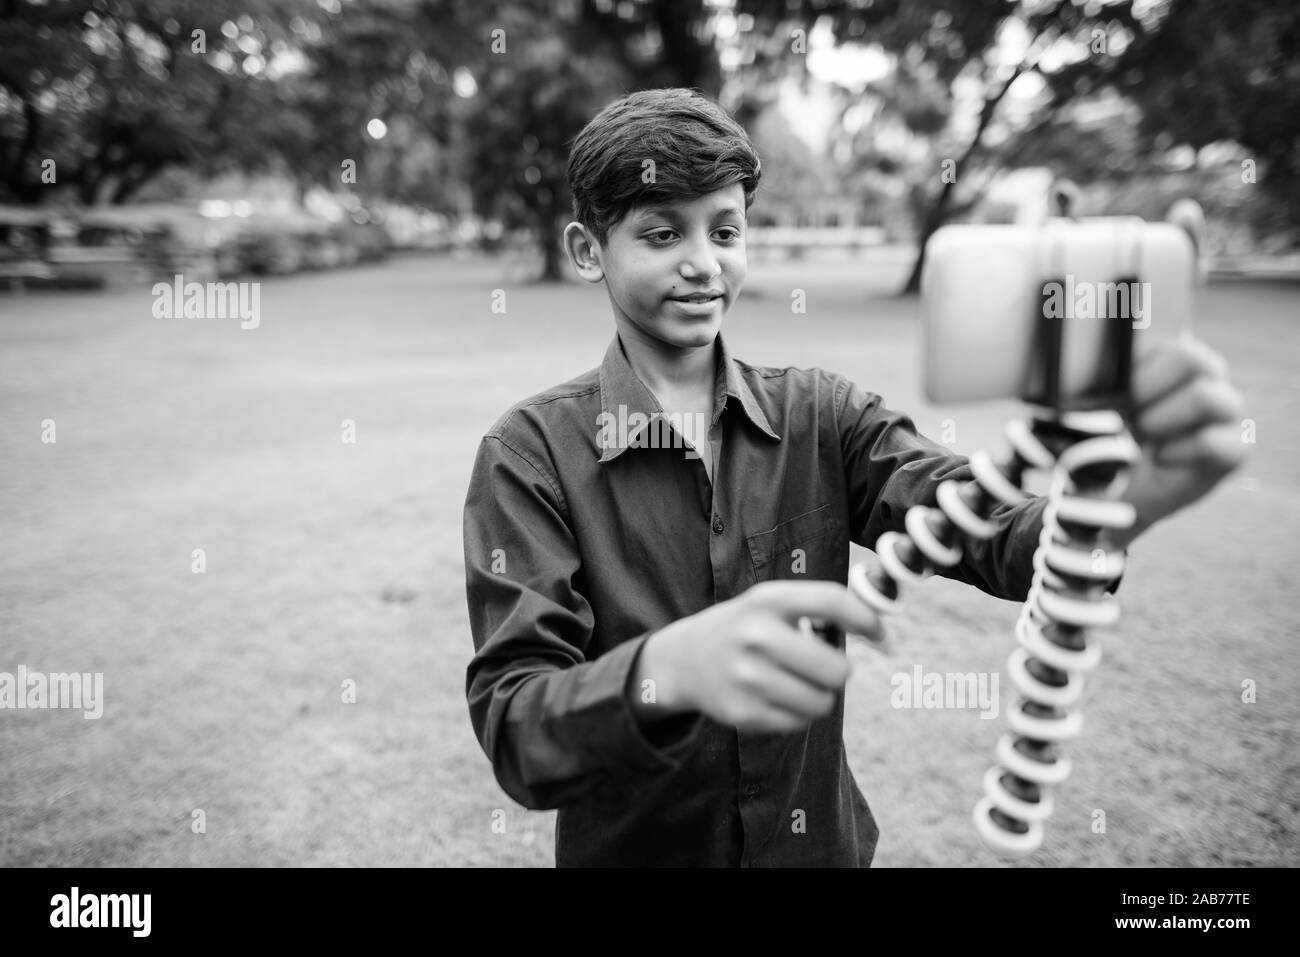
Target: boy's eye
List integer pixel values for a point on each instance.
(726, 234)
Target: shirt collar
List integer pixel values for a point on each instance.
(621, 387)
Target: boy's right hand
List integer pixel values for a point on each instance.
(746, 662)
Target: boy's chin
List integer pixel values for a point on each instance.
(693, 338)
(673, 333)
(691, 333)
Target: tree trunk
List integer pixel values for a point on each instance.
(88, 188)
(934, 218)
(939, 211)
(552, 260)
(913, 284)
(548, 223)
(24, 187)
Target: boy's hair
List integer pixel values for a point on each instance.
(696, 147)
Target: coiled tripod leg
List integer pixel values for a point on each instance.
(1072, 569)
(931, 539)
(1090, 455)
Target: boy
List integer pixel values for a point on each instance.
(638, 664)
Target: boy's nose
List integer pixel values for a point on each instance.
(699, 262)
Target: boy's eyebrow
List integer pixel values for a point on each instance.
(670, 212)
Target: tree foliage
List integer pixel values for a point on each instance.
(1206, 73)
(112, 91)
(481, 98)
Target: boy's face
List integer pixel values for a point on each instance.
(659, 257)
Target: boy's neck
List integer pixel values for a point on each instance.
(673, 374)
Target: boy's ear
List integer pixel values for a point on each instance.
(583, 252)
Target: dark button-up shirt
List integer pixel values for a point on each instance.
(583, 536)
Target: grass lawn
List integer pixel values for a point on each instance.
(329, 562)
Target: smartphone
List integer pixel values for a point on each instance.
(1050, 314)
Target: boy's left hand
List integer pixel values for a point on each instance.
(1188, 420)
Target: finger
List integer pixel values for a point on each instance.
(1202, 401)
(1218, 448)
(765, 679)
(828, 601)
(805, 656)
(822, 631)
(1164, 366)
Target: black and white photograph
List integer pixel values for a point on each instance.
(498, 434)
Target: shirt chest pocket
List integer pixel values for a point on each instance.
(811, 546)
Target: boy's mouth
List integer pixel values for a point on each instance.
(697, 297)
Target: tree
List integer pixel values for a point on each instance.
(396, 62)
(113, 92)
(413, 93)
(535, 93)
(935, 45)
(543, 69)
(1205, 73)
(660, 43)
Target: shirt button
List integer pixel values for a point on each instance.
(752, 790)
(717, 525)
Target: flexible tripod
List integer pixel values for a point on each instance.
(1089, 454)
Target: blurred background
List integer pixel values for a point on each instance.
(391, 173)
(269, 137)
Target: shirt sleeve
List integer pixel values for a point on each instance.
(890, 467)
(557, 725)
